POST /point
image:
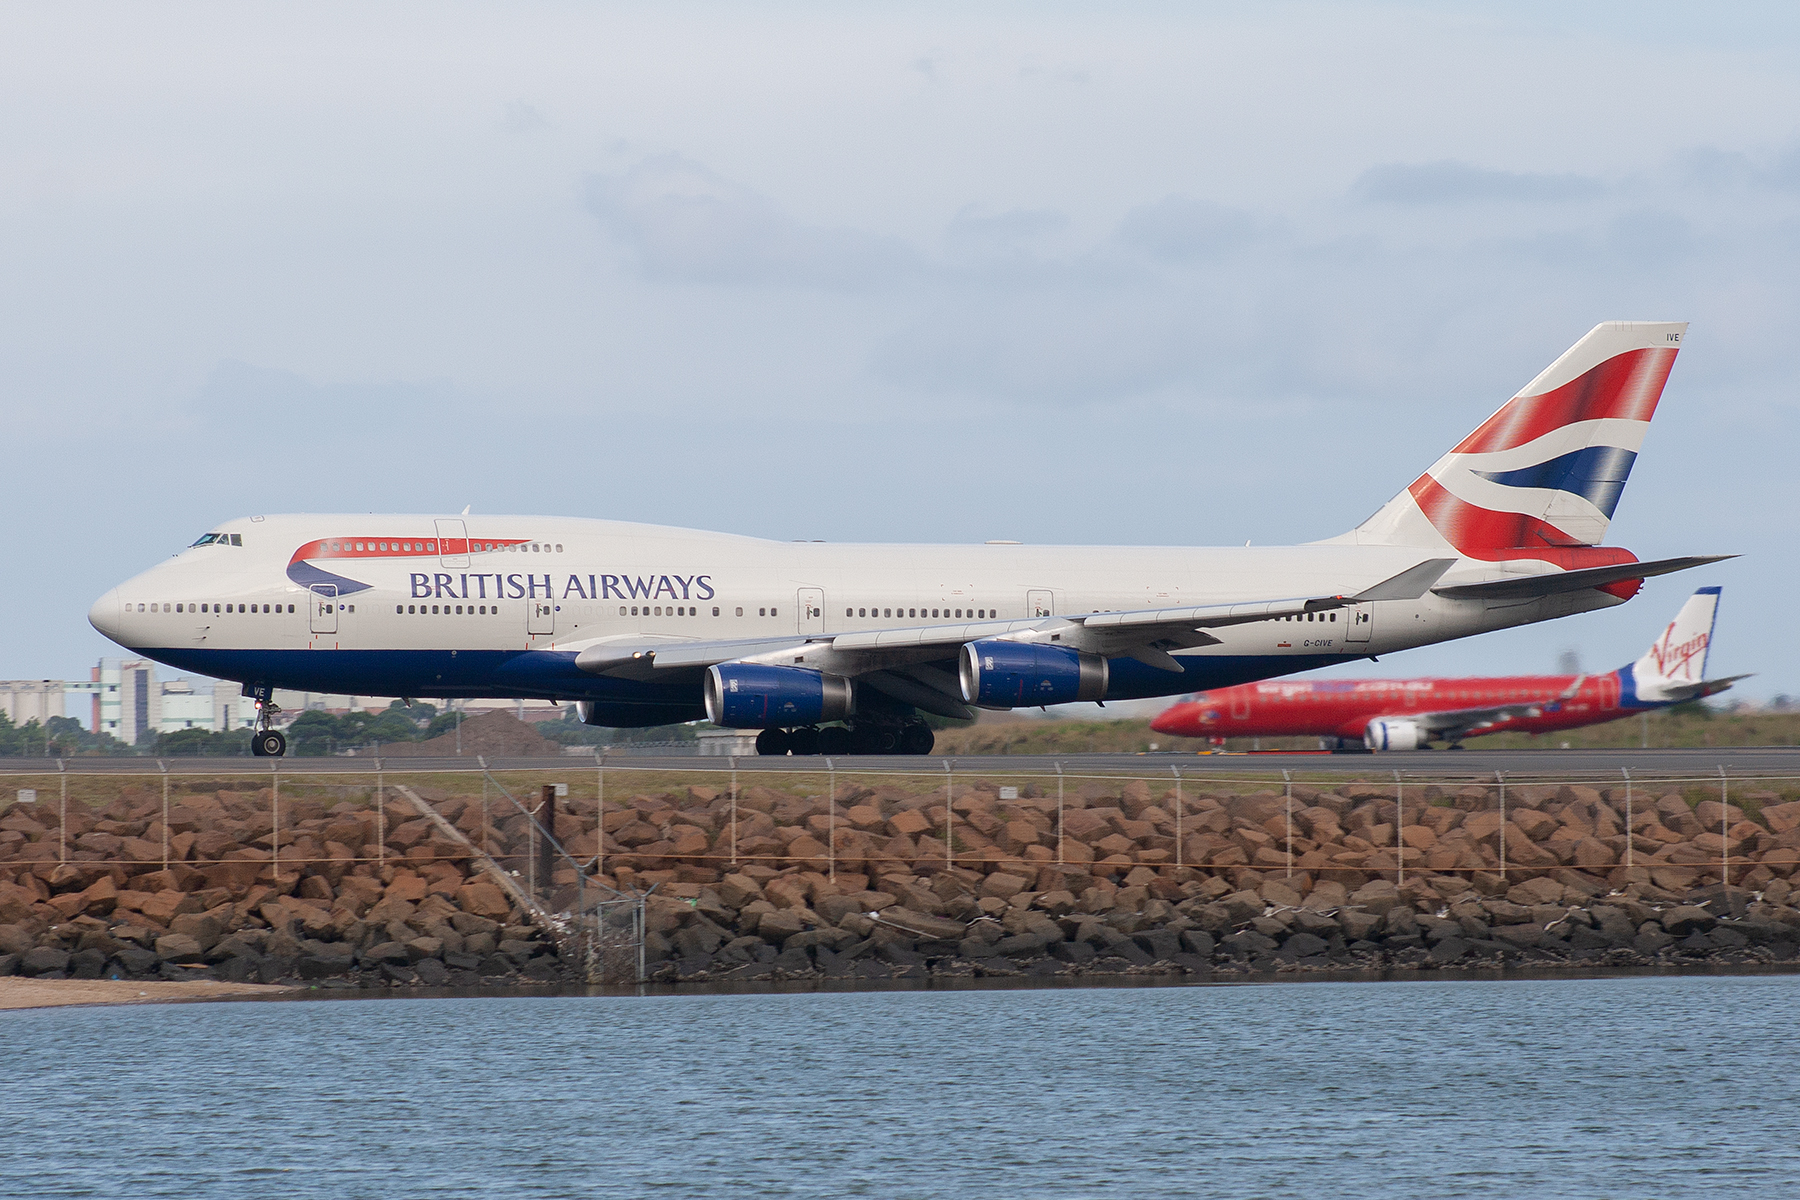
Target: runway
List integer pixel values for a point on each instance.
(1595, 765)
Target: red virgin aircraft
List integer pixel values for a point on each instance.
(1407, 714)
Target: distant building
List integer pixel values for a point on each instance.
(126, 700)
(37, 700)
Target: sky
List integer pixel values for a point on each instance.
(1169, 274)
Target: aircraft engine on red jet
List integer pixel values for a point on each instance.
(1394, 735)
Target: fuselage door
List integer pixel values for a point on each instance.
(324, 608)
(1240, 704)
(540, 616)
(1609, 691)
(1038, 602)
(809, 603)
(1362, 622)
(453, 542)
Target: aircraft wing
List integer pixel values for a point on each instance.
(1526, 587)
(900, 653)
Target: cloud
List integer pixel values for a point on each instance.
(683, 223)
(1447, 182)
(1182, 229)
(1716, 169)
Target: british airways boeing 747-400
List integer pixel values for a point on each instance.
(839, 648)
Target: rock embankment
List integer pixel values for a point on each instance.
(349, 895)
(1121, 878)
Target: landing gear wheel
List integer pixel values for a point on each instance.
(269, 743)
(917, 739)
(835, 740)
(874, 739)
(772, 742)
(804, 740)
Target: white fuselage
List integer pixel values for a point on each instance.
(499, 606)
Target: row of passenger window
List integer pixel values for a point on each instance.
(979, 614)
(431, 547)
(1310, 616)
(216, 608)
(426, 610)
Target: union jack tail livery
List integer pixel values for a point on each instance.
(1674, 668)
(1539, 479)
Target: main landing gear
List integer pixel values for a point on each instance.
(909, 737)
(267, 742)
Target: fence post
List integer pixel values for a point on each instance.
(949, 799)
(1626, 771)
(1287, 787)
(1399, 824)
(62, 818)
(733, 821)
(1724, 832)
(1178, 806)
(1059, 814)
(831, 819)
(1501, 776)
(599, 818)
(544, 831)
(164, 768)
(274, 823)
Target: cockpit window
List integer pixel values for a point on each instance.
(207, 539)
(219, 539)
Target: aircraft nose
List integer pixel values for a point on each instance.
(1169, 722)
(105, 613)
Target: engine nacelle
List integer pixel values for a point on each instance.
(754, 696)
(999, 674)
(1394, 735)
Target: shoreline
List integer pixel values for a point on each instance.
(28, 995)
(23, 994)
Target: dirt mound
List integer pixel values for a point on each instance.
(496, 734)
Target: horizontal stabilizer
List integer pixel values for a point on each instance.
(1526, 587)
(1409, 584)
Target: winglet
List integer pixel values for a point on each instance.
(1409, 584)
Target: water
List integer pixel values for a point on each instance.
(1646, 1087)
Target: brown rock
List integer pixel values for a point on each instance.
(162, 907)
(180, 948)
(100, 897)
(780, 924)
(923, 924)
(1535, 891)
(809, 852)
(483, 899)
(1378, 897)
(735, 891)
(1419, 837)
(1712, 815)
(1003, 886)
(1591, 854)
(406, 886)
(866, 817)
(908, 823)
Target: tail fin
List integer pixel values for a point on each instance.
(1674, 668)
(1546, 471)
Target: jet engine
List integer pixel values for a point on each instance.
(754, 696)
(999, 674)
(1394, 735)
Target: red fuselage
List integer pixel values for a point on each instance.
(1344, 707)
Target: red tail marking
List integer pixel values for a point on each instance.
(1626, 386)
